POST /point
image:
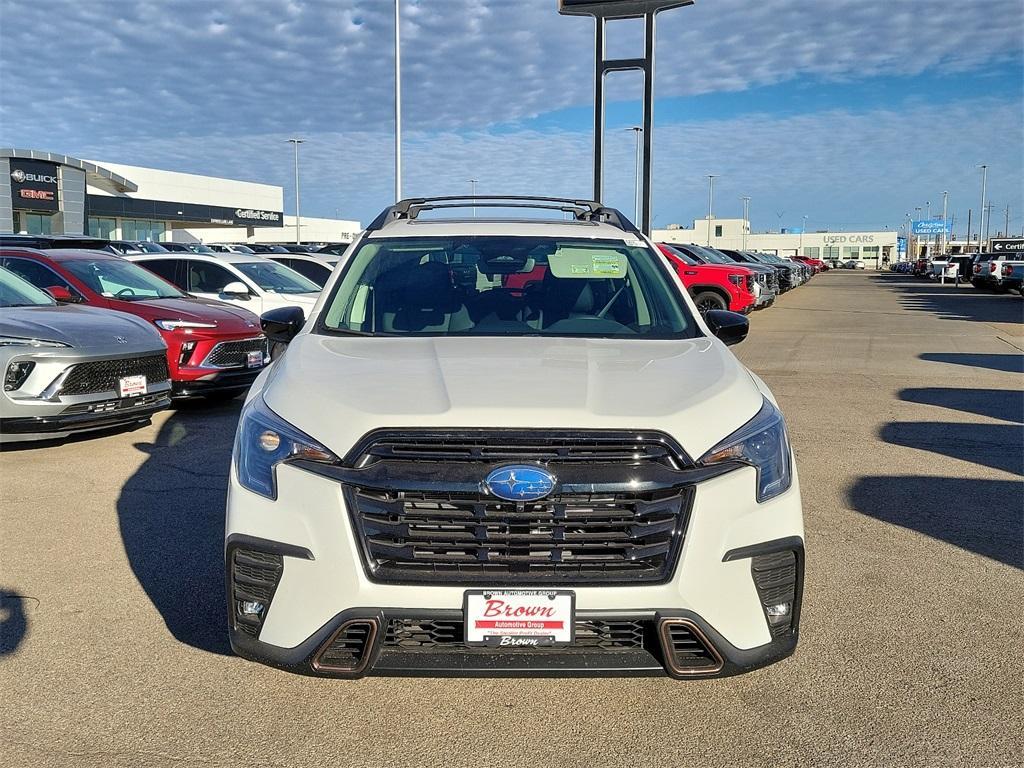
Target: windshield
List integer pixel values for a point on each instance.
(682, 255)
(241, 249)
(199, 248)
(713, 256)
(507, 286)
(117, 279)
(16, 292)
(276, 278)
(149, 247)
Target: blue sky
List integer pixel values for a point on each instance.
(849, 112)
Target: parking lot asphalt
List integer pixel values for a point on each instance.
(904, 401)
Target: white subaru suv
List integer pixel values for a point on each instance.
(511, 447)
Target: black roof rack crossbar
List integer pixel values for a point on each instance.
(582, 210)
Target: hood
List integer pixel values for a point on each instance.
(336, 389)
(229, 318)
(84, 328)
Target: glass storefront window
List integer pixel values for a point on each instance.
(831, 251)
(102, 227)
(851, 252)
(870, 252)
(811, 251)
(33, 223)
(142, 229)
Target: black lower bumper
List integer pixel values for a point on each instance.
(66, 423)
(225, 382)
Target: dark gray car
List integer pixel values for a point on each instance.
(70, 369)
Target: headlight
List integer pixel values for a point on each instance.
(18, 341)
(173, 325)
(736, 280)
(265, 440)
(763, 444)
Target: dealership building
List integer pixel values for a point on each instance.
(56, 194)
(735, 234)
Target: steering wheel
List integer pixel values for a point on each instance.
(125, 292)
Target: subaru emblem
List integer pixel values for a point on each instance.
(520, 482)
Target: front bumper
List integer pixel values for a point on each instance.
(83, 418)
(321, 589)
(230, 380)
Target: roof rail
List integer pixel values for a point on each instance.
(582, 210)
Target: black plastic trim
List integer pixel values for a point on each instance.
(764, 548)
(563, 663)
(268, 546)
(22, 425)
(226, 381)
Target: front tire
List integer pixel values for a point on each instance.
(708, 300)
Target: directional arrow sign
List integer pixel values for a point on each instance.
(1013, 245)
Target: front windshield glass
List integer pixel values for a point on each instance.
(117, 279)
(16, 292)
(149, 247)
(276, 278)
(242, 249)
(200, 248)
(507, 286)
(713, 256)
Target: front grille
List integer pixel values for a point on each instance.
(235, 354)
(103, 375)
(535, 446)
(254, 577)
(411, 537)
(449, 635)
(750, 283)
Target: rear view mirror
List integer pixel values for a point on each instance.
(282, 324)
(730, 327)
(63, 295)
(236, 289)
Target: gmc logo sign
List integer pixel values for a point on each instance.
(36, 194)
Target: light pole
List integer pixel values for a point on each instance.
(803, 226)
(398, 102)
(298, 223)
(472, 193)
(981, 221)
(637, 130)
(746, 219)
(917, 210)
(711, 203)
(942, 237)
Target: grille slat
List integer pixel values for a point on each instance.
(449, 635)
(235, 354)
(103, 375)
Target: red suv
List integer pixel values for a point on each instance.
(213, 349)
(713, 286)
(816, 264)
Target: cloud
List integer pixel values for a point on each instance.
(843, 170)
(188, 67)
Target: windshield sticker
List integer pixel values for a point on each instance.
(582, 262)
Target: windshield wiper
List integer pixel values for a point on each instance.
(352, 332)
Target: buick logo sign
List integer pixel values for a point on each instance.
(18, 175)
(520, 482)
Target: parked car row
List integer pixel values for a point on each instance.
(740, 281)
(999, 272)
(188, 321)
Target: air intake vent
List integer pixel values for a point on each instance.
(775, 577)
(687, 651)
(348, 649)
(254, 578)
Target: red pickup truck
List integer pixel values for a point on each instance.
(713, 286)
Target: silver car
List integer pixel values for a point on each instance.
(70, 369)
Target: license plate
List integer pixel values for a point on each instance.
(131, 386)
(254, 359)
(519, 617)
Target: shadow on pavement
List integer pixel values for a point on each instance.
(1012, 363)
(990, 445)
(13, 623)
(171, 514)
(981, 516)
(1005, 404)
(949, 302)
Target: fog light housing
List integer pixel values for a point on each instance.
(16, 375)
(251, 608)
(186, 352)
(778, 577)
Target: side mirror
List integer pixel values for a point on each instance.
(283, 323)
(730, 327)
(236, 289)
(63, 295)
